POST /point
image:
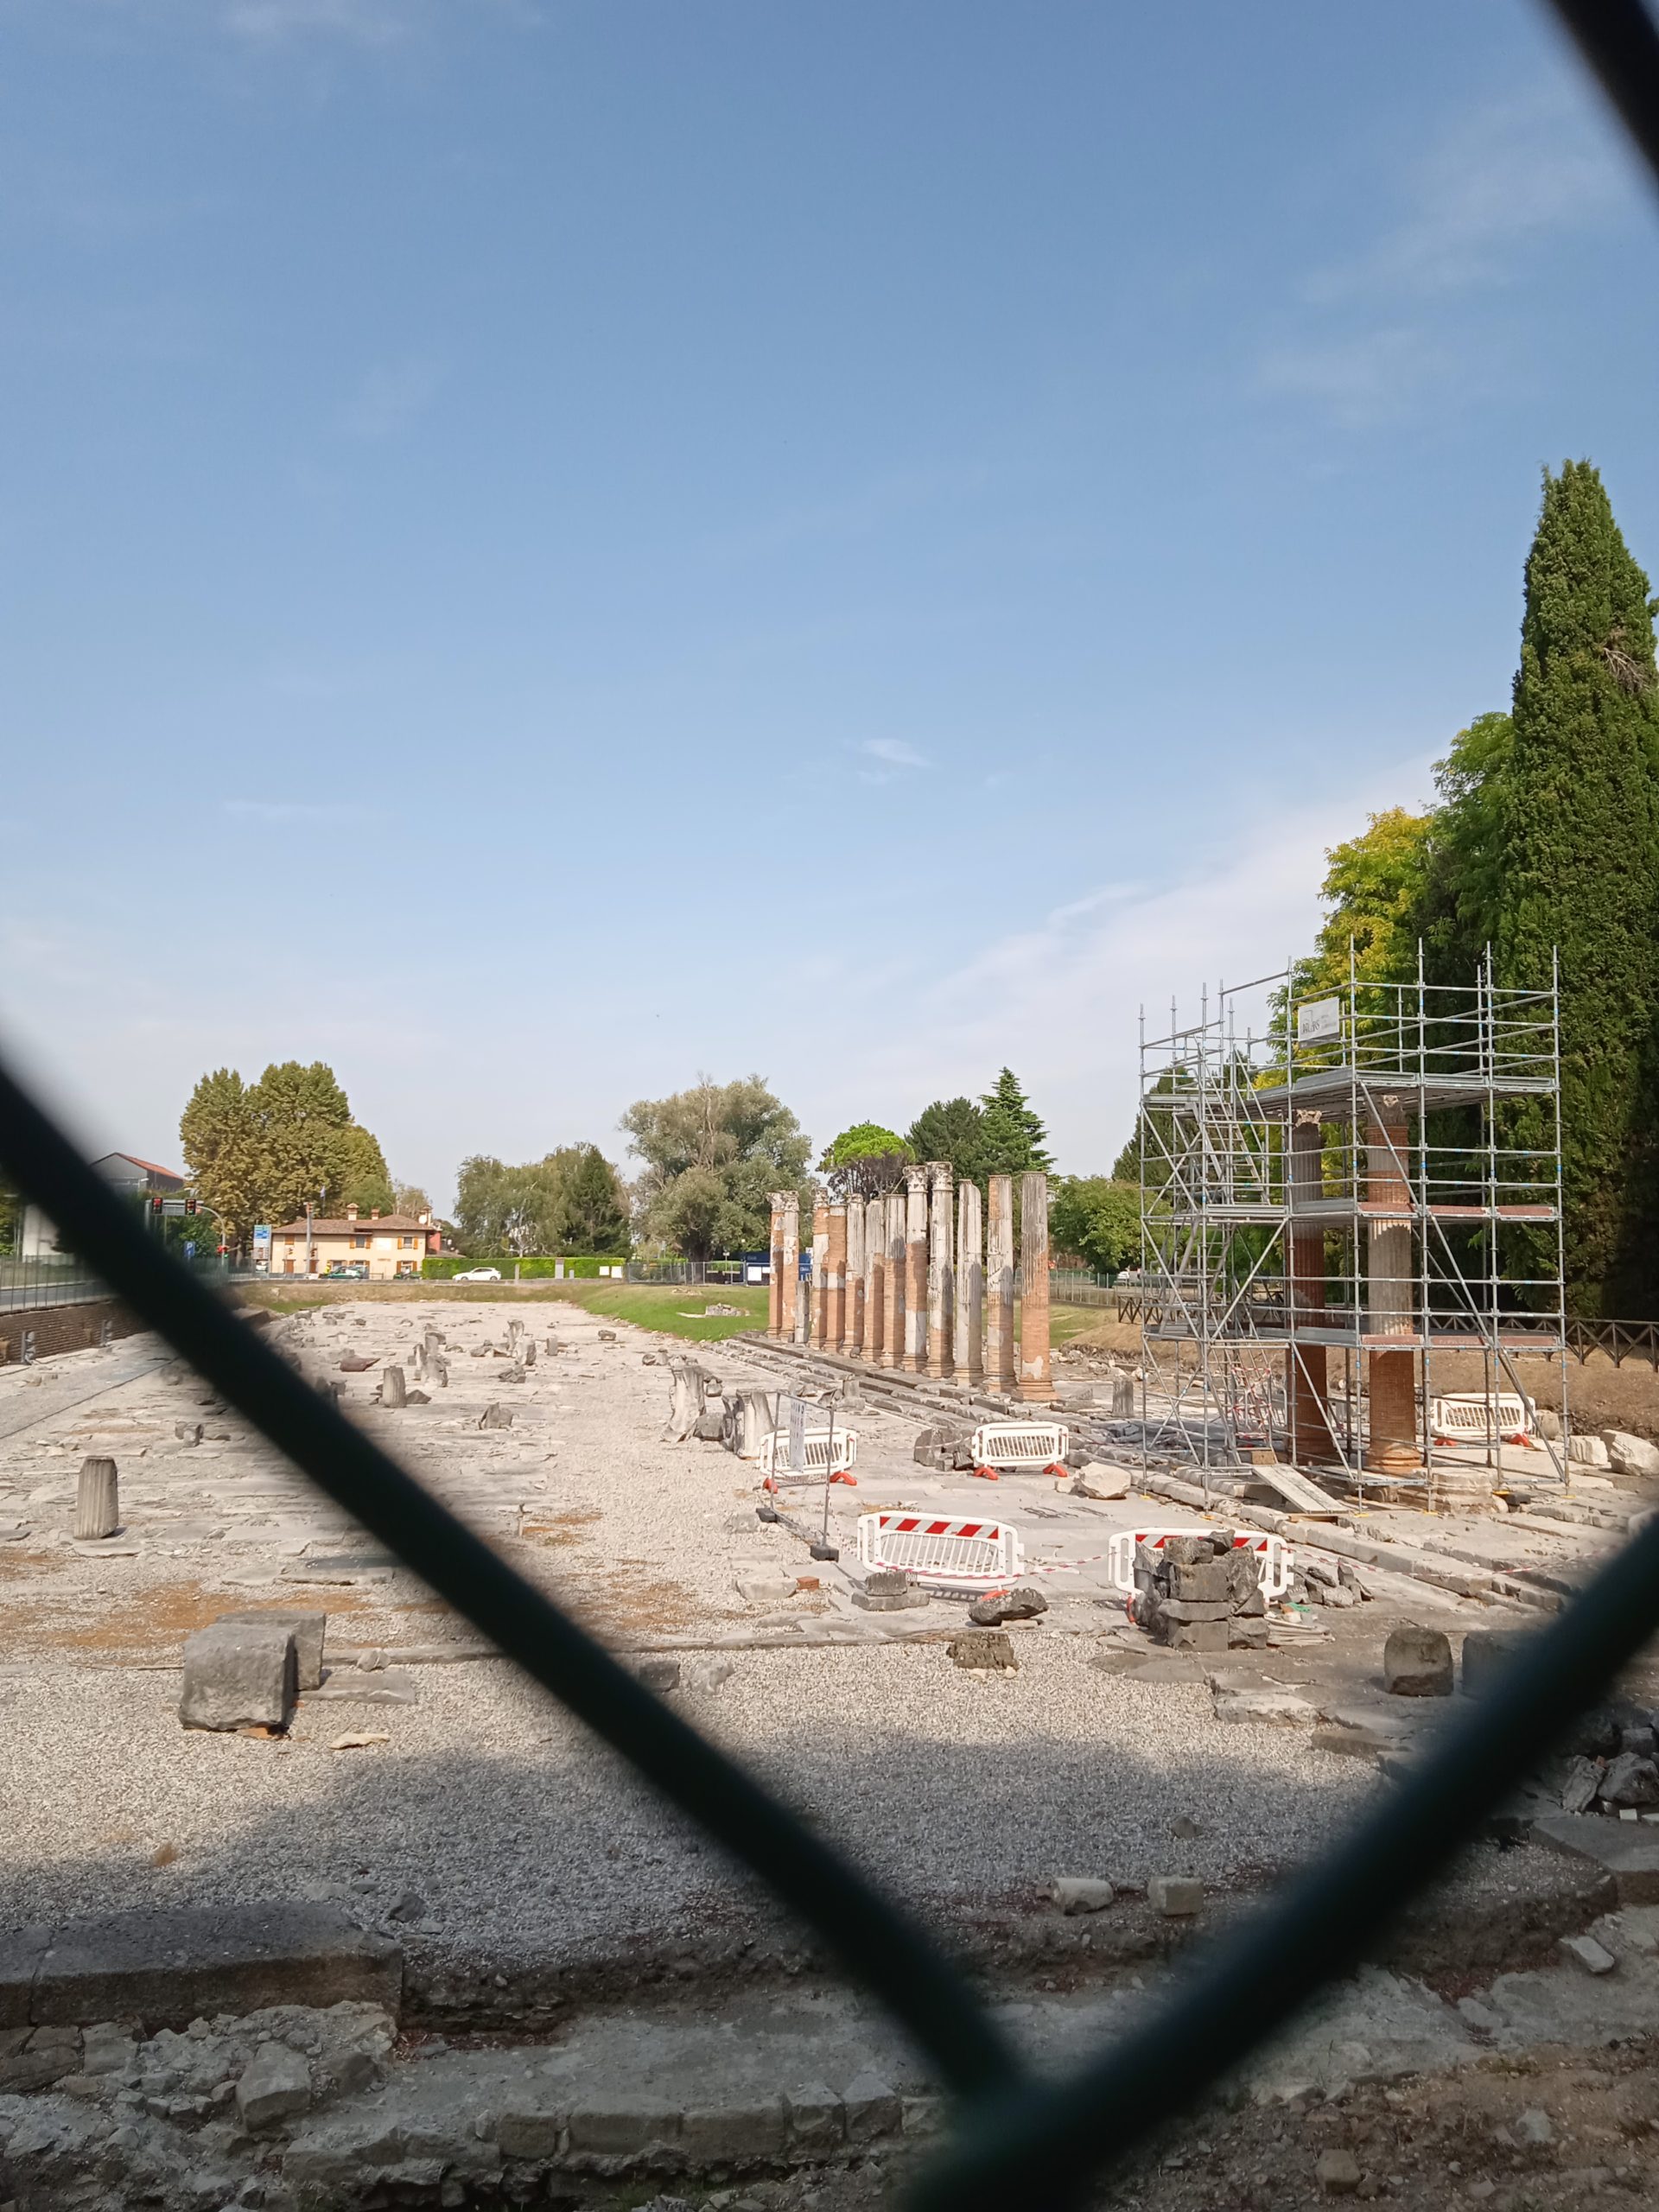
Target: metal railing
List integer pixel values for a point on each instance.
(1016, 2138)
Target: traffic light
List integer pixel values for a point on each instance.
(156, 1205)
(190, 1205)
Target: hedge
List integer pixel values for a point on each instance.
(584, 1265)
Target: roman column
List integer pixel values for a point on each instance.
(834, 1337)
(820, 1274)
(1306, 1369)
(790, 1264)
(854, 1345)
(875, 1279)
(941, 1237)
(775, 1271)
(999, 1289)
(892, 1349)
(1391, 1302)
(915, 1270)
(1036, 1385)
(969, 1288)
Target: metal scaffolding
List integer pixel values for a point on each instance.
(1339, 1186)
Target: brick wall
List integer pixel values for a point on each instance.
(63, 1328)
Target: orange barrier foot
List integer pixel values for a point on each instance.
(987, 1474)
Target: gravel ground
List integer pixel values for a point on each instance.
(526, 1843)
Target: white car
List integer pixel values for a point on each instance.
(479, 1274)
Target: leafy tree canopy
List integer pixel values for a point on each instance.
(264, 1151)
(1014, 1137)
(570, 1201)
(713, 1156)
(865, 1162)
(410, 1199)
(951, 1129)
(1097, 1219)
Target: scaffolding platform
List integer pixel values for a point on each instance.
(1370, 1171)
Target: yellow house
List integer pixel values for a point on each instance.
(382, 1246)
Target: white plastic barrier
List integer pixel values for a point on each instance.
(774, 1453)
(1472, 1417)
(1018, 1445)
(952, 1553)
(1274, 1556)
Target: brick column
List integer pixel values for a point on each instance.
(999, 1378)
(775, 1273)
(941, 1268)
(915, 1270)
(1306, 1366)
(893, 1348)
(790, 1283)
(1391, 1302)
(834, 1282)
(971, 1287)
(1036, 1385)
(820, 1275)
(875, 1279)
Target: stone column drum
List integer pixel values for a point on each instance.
(834, 1334)
(999, 1289)
(969, 1288)
(893, 1348)
(1391, 1301)
(789, 1264)
(1306, 1365)
(875, 1277)
(941, 1268)
(775, 1285)
(853, 1345)
(915, 1270)
(1036, 1383)
(820, 1275)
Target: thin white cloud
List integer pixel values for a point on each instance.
(364, 22)
(894, 752)
(393, 395)
(1397, 323)
(276, 810)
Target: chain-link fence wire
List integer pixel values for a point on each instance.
(1035, 2143)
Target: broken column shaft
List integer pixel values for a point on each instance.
(1036, 1382)
(98, 1508)
(999, 1289)
(969, 1287)
(893, 1348)
(853, 1342)
(834, 1328)
(820, 1275)
(775, 1268)
(1391, 1299)
(941, 1355)
(915, 1270)
(875, 1277)
(1306, 1367)
(789, 1264)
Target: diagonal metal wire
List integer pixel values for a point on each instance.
(880, 1943)
(1619, 41)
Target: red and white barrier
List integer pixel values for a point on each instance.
(953, 1554)
(1274, 1556)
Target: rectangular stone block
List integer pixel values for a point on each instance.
(307, 1630)
(170, 1967)
(816, 2122)
(1208, 1581)
(1196, 1635)
(733, 2134)
(529, 2133)
(238, 1674)
(1196, 1609)
(872, 2106)
(620, 2126)
(22, 1950)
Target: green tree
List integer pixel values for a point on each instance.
(1464, 862)
(503, 1212)
(224, 1151)
(1581, 849)
(1374, 892)
(865, 1162)
(592, 1206)
(364, 1178)
(302, 1114)
(713, 1155)
(410, 1200)
(1013, 1136)
(1098, 1219)
(953, 1129)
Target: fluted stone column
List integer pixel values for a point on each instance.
(836, 1279)
(875, 1278)
(790, 1264)
(999, 1376)
(820, 1275)
(1306, 1365)
(853, 1342)
(969, 1288)
(1036, 1383)
(915, 1270)
(892, 1349)
(98, 1501)
(1391, 1302)
(941, 1268)
(775, 1283)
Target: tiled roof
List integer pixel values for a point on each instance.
(387, 1224)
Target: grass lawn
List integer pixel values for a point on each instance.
(676, 1309)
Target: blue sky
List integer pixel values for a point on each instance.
(550, 545)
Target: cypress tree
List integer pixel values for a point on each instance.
(1581, 873)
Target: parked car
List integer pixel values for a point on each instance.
(347, 1271)
(477, 1274)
